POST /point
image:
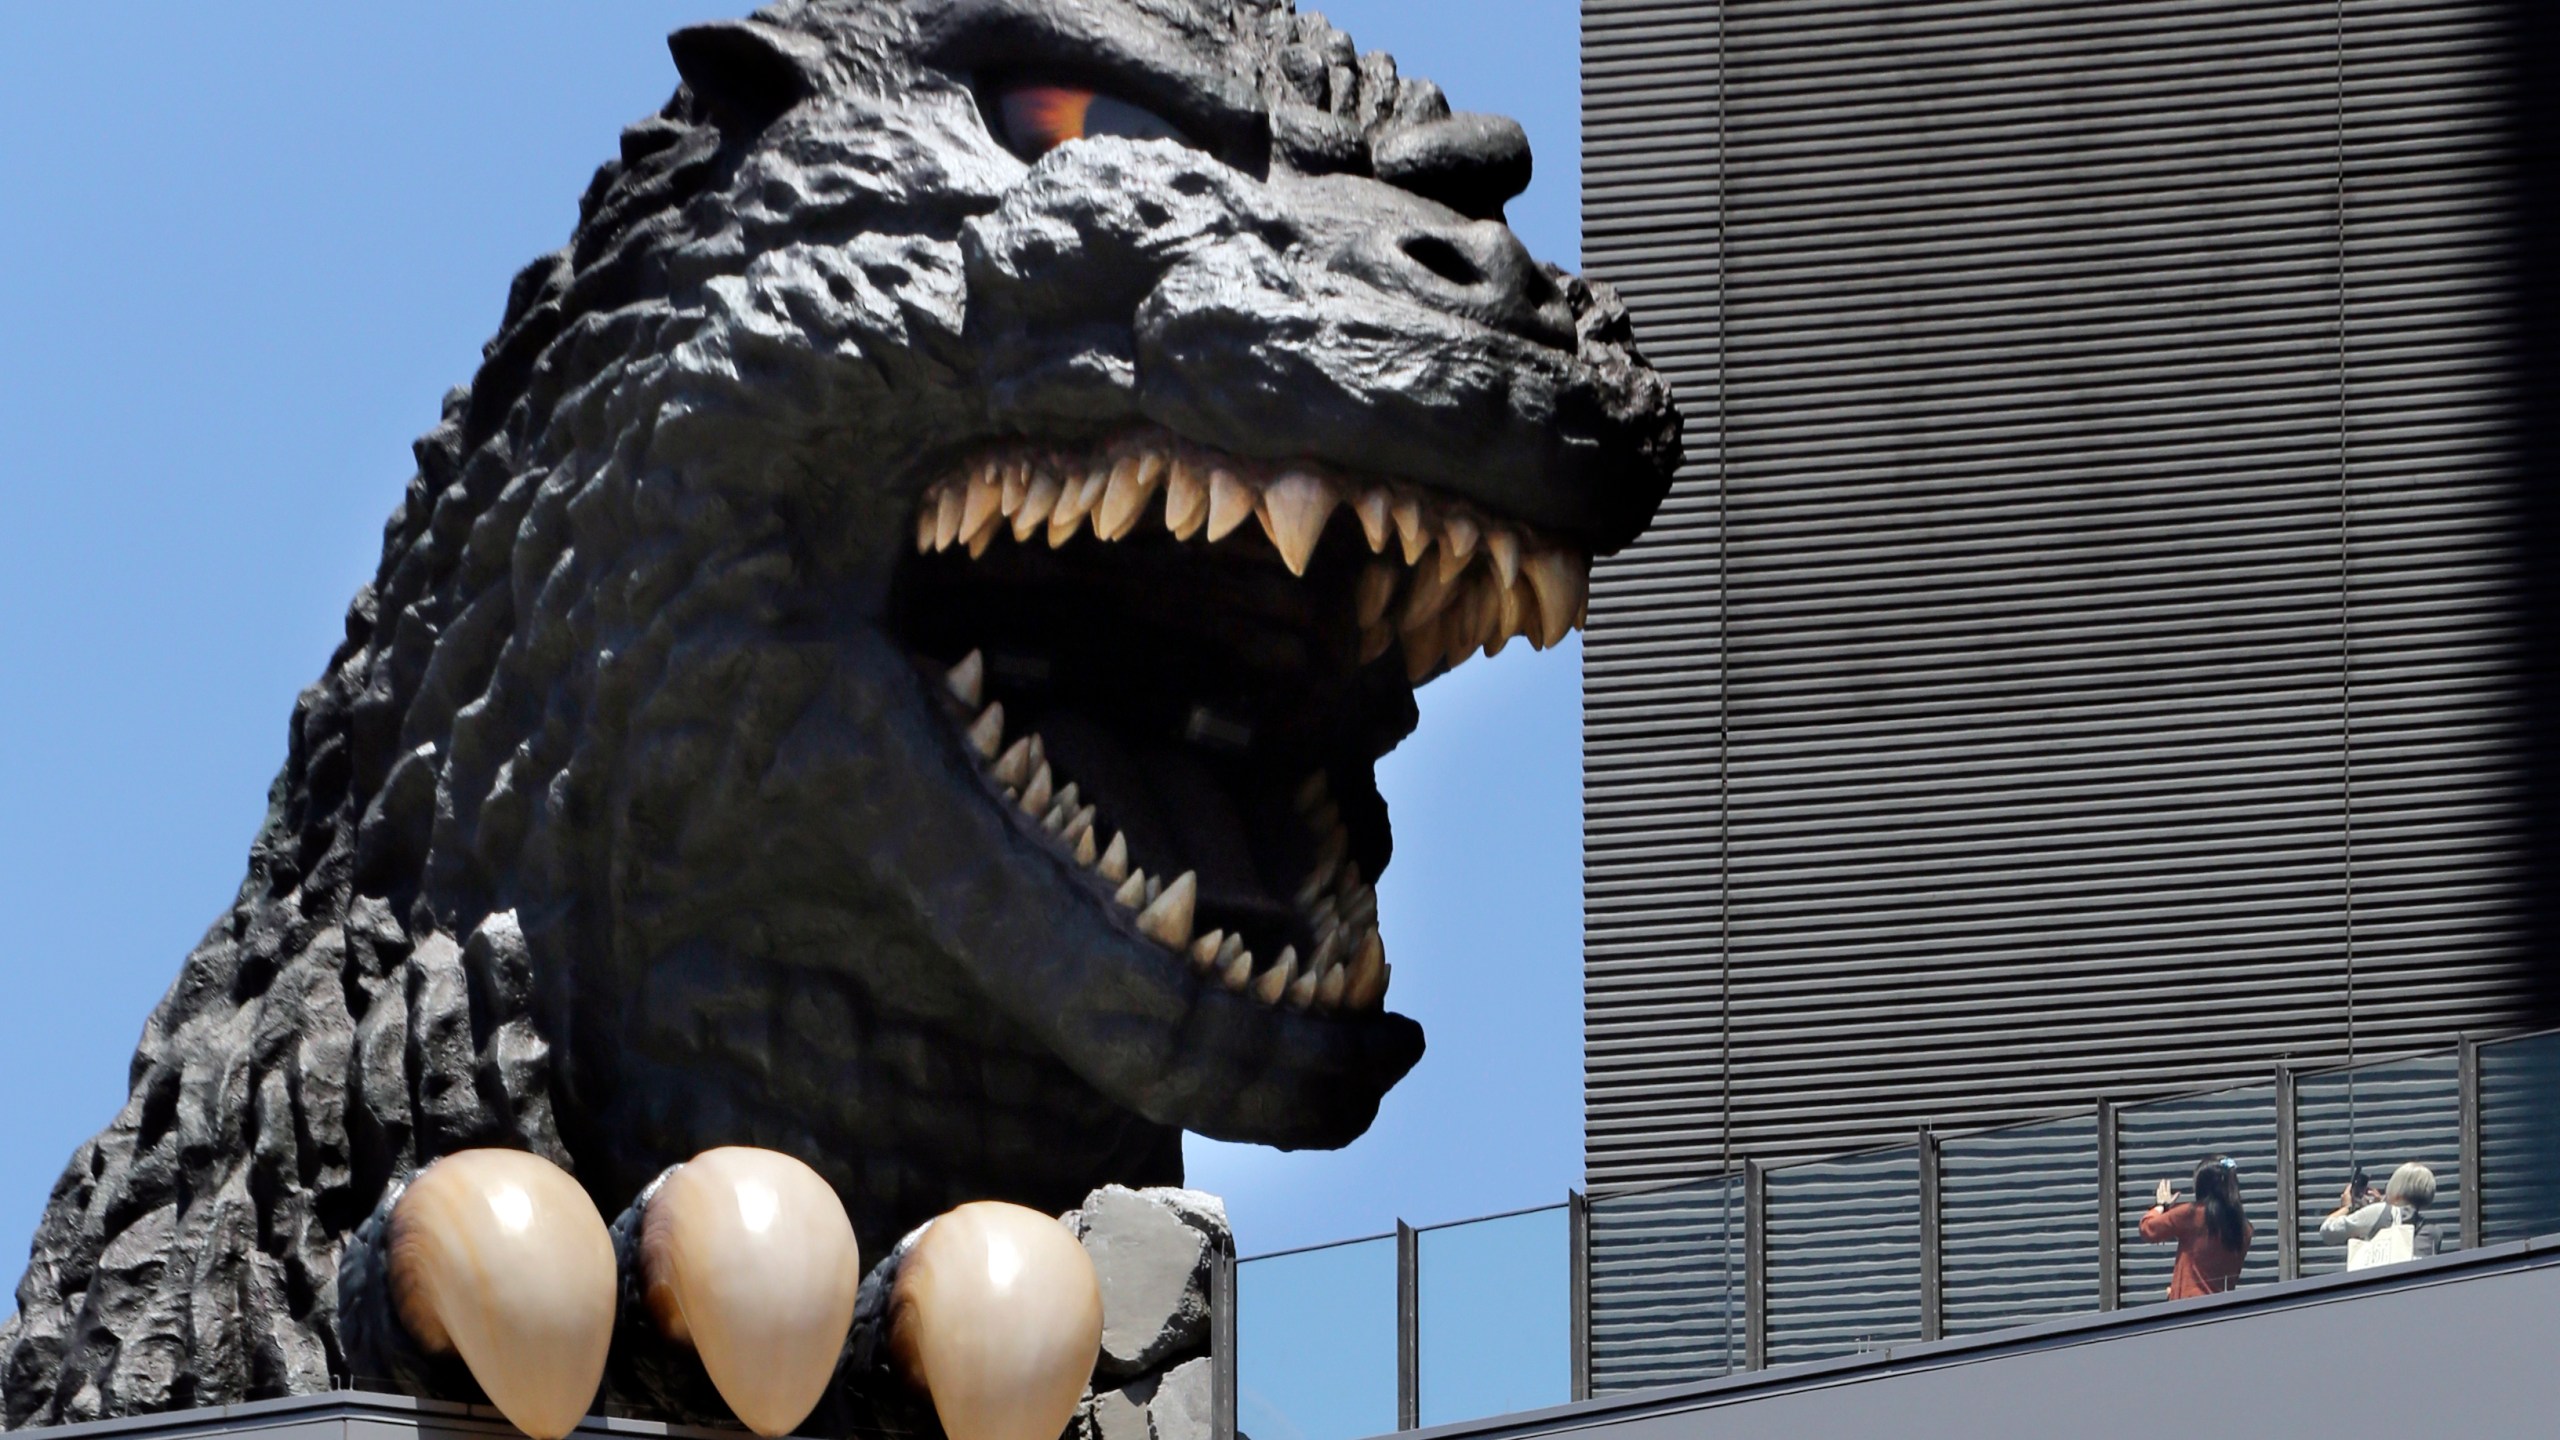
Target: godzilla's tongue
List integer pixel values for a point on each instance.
(1183, 808)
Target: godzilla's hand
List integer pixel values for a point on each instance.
(497, 1257)
(746, 1258)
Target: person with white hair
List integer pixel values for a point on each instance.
(2390, 1229)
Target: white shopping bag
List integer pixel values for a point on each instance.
(2390, 1245)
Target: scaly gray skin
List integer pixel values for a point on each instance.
(622, 825)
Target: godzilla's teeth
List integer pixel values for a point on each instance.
(1231, 503)
(1561, 579)
(1409, 528)
(1075, 500)
(1055, 822)
(1425, 600)
(1015, 487)
(1330, 950)
(1294, 509)
(1359, 907)
(1275, 981)
(1133, 891)
(1377, 589)
(1504, 547)
(987, 731)
(1204, 951)
(1038, 503)
(982, 506)
(1037, 795)
(1124, 499)
(1237, 971)
(1421, 652)
(1375, 641)
(1229, 949)
(1085, 854)
(1458, 536)
(1377, 526)
(1186, 499)
(925, 525)
(1079, 833)
(1330, 990)
(968, 679)
(1114, 865)
(1014, 770)
(949, 506)
(1155, 887)
(1368, 982)
(1302, 993)
(1167, 918)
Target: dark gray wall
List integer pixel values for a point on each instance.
(2080, 657)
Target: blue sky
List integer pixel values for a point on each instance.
(244, 250)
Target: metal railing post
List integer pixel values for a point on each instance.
(1755, 1265)
(2110, 1231)
(2474, 1171)
(2288, 1178)
(1933, 1291)
(1408, 1327)
(1222, 1339)
(1577, 1209)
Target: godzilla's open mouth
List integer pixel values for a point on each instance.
(1182, 668)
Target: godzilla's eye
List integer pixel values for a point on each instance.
(1036, 119)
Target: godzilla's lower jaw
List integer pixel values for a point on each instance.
(1179, 668)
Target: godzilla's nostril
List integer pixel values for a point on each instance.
(1445, 260)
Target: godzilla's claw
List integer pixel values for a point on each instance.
(997, 1316)
(498, 1255)
(747, 1256)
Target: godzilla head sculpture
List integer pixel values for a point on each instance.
(882, 664)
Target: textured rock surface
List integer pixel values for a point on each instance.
(619, 827)
(1153, 1260)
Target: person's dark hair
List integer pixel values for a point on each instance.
(2218, 1191)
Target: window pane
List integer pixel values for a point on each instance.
(2378, 1117)
(1844, 1256)
(2019, 1220)
(2164, 1141)
(1496, 1300)
(1666, 1286)
(2519, 1159)
(1316, 1343)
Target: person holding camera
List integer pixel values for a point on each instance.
(2389, 1228)
(2213, 1234)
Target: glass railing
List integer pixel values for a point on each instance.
(1957, 1234)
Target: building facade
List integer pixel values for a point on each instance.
(2098, 646)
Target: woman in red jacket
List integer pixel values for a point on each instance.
(2213, 1236)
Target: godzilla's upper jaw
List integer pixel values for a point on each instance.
(1172, 672)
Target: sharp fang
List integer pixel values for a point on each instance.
(1133, 891)
(1303, 993)
(1421, 652)
(1234, 947)
(1204, 951)
(1238, 971)
(1376, 525)
(1504, 547)
(1275, 981)
(1231, 503)
(1055, 822)
(1167, 919)
(1015, 768)
(925, 526)
(983, 506)
(979, 542)
(988, 731)
(1460, 627)
(1424, 602)
(1329, 951)
(1409, 528)
(1069, 798)
(1016, 486)
(1079, 833)
(1377, 590)
(1561, 579)
(1037, 795)
(1186, 499)
(1294, 509)
(1458, 536)
(1155, 887)
(1037, 505)
(1375, 642)
(1331, 989)
(1114, 865)
(1368, 983)
(1359, 907)
(1124, 499)
(946, 516)
(968, 679)
(1074, 503)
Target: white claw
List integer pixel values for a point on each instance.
(498, 1255)
(997, 1316)
(1167, 918)
(747, 1256)
(968, 679)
